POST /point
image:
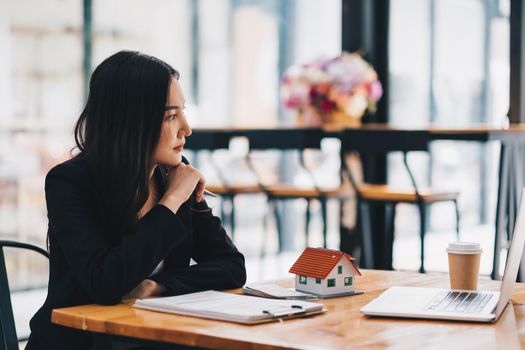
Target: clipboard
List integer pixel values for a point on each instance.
(231, 307)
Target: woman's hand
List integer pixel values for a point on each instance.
(183, 180)
(146, 288)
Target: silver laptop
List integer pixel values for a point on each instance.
(446, 304)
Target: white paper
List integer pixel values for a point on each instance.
(227, 306)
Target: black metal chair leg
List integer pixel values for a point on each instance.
(232, 216)
(324, 219)
(279, 224)
(456, 207)
(501, 208)
(366, 232)
(9, 340)
(223, 210)
(266, 227)
(423, 229)
(390, 214)
(307, 222)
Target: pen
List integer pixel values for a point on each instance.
(210, 193)
(206, 192)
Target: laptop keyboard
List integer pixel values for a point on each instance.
(456, 301)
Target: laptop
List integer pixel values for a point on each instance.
(456, 305)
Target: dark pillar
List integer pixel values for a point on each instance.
(195, 52)
(87, 45)
(517, 64)
(365, 28)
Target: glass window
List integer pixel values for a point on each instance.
(331, 282)
(437, 76)
(230, 55)
(348, 281)
(340, 269)
(318, 281)
(40, 96)
(303, 279)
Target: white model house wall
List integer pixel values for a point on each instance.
(322, 288)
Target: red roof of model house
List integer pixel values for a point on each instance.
(318, 262)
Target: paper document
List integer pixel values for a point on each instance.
(270, 290)
(230, 307)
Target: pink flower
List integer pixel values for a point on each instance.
(345, 82)
(286, 79)
(327, 106)
(375, 90)
(292, 102)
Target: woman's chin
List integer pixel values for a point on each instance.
(172, 162)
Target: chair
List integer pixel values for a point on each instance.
(360, 141)
(211, 140)
(7, 322)
(294, 140)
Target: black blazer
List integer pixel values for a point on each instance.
(84, 269)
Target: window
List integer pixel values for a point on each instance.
(331, 282)
(348, 281)
(340, 269)
(318, 281)
(436, 76)
(302, 279)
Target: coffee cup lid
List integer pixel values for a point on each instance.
(464, 248)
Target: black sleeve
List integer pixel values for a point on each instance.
(219, 264)
(106, 273)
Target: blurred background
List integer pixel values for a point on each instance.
(448, 65)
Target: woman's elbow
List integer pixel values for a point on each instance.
(239, 273)
(102, 291)
(106, 297)
(241, 280)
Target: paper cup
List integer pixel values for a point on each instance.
(463, 265)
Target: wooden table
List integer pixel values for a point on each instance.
(342, 326)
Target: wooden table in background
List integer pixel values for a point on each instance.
(511, 164)
(342, 326)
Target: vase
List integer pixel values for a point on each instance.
(329, 121)
(308, 117)
(337, 120)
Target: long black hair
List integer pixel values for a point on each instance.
(118, 130)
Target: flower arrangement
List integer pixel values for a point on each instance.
(345, 83)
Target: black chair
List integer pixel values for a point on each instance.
(210, 140)
(362, 141)
(7, 322)
(299, 140)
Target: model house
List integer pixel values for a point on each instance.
(325, 272)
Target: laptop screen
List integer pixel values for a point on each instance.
(513, 258)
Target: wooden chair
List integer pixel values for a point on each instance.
(355, 141)
(211, 141)
(9, 339)
(299, 140)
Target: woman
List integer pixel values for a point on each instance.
(127, 213)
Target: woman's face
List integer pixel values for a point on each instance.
(174, 129)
